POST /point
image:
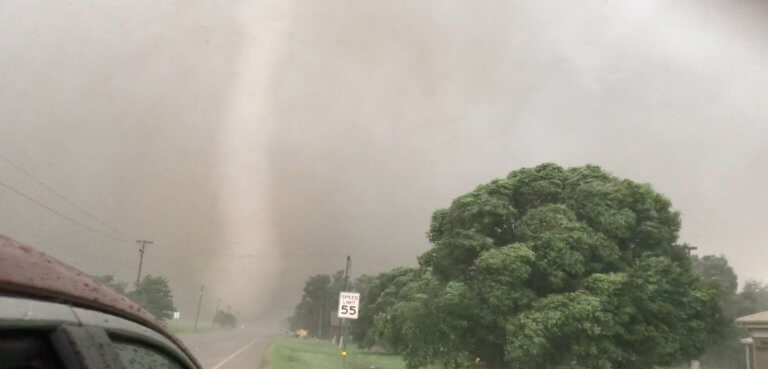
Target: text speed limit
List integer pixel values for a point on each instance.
(349, 305)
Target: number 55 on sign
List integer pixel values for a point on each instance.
(349, 303)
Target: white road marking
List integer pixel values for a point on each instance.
(219, 365)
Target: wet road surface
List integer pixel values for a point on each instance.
(229, 349)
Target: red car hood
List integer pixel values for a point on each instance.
(29, 272)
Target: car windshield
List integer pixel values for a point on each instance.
(392, 184)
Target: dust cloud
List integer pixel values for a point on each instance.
(261, 142)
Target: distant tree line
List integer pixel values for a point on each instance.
(319, 301)
(728, 352)
(549, 267)
(152, 293)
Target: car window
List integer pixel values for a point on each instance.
(27, 350)
(138, 356)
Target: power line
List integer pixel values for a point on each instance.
(62, 197)
(46, 207)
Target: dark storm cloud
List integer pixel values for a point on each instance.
(389, 110)
(115, 105)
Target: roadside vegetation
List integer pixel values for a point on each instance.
(152, 293)
(547, 267)
(295, 353)
(320, 298)
(155, 295)
(225, 319)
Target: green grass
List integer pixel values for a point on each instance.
(182, 327)
(294, 353)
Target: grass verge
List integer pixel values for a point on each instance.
(294, 353)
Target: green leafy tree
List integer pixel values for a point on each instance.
(225, 319)
(338, 284)
(312, 312)
(554, 267)
(109, 281)
(154, 294)
(377, 295)
(363, 282)
(320, 299)
(753, 298)
(727, 352)
(425, 323)
(301, 317)
(715, 270)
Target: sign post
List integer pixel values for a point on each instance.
(350, 302)
(349, 308)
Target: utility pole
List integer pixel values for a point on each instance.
(320, 321)
(143, 244)
(199, 303)
(343, 340)
(217, 312)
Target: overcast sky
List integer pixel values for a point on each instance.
(259, 142)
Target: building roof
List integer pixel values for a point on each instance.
(25, 271)
(757, 318)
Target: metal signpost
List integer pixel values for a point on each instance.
(349, 308)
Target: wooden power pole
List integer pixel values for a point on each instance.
(343, 339)
(199, 303)
(143, 244)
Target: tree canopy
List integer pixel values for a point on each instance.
(309, 314)
(154, 294)
(320, 298)
(548, 267)
(714, 270)
(110, 281)
(225, 319)
(378, 294)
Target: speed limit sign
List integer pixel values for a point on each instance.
(349, 305)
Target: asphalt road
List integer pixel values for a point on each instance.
(229, 349)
